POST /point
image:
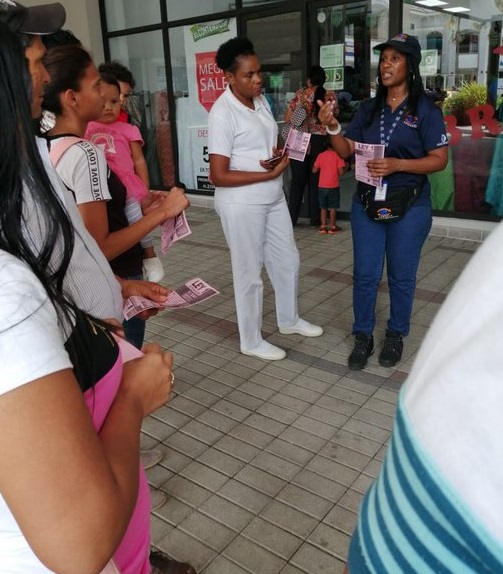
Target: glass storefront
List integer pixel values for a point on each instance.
(177, 80)
(182, 9)
(463, 73)
(143, 54)
(123, 14)
(198, 83)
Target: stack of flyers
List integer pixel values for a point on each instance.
(194, 291)
(364, 152)
(172, 230)
(297, 144)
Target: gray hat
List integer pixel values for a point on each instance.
(403, 43)
(36, 20)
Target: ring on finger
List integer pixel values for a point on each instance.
(172, 380)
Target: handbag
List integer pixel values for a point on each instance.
(393, 208)
(295, 122)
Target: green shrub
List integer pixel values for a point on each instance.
(470, 95)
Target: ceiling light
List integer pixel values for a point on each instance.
(456, 9)
(430, 3)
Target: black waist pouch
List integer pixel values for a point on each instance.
(393, 208)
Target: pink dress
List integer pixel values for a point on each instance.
(132, 556)
(114, 139)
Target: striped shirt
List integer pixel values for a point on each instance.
(412, 520)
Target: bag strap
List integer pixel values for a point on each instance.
(59, 148)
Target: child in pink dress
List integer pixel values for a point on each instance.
(122, 144)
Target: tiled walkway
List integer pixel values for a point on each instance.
(266, 463)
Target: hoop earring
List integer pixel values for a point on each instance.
(377, 81)
(412, 77)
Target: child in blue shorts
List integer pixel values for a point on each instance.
(331, 166)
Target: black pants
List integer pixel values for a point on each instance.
(302, 173)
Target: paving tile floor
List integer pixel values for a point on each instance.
(266, 463)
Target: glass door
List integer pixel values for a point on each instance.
(339, 37)
(341, 44)
(342, 37)
(277, 39)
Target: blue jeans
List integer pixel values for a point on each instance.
(401, 242)
(134, 329)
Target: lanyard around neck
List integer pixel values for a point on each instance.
(385, 139)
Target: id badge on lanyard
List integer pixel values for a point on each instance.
(380, 192)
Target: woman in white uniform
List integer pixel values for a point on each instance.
(250, 201)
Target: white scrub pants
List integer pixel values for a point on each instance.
(259, 234)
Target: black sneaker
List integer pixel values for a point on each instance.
(392, 349)
(364, 347)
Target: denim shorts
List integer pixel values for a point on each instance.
(329, 197)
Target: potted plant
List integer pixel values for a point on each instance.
(470, 95)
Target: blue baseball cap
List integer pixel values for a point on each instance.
(403, 43)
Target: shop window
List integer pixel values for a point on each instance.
(143, 54)
(180, 9)
(122, 14)
(462, 69)
(277, 42)
(197, 83)
(249, 3)
(343, 39)
(468, 42)
(434, 41)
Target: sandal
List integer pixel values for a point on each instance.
(322, 230)
(163, 564)
(334, 229)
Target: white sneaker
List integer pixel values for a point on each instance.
(153, 269)
(157, 498)
(266, 352)
(149, 458)
(302, 328)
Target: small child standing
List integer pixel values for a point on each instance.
(122, 144)
(331, 166)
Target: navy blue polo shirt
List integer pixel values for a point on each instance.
(412, 138)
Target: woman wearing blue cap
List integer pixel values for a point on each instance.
(393, 219)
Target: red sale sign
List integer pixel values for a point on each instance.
(211, 81)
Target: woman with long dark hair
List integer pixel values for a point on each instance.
(70, 411)
(74, 96)
(307, 99)
(403, 119)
